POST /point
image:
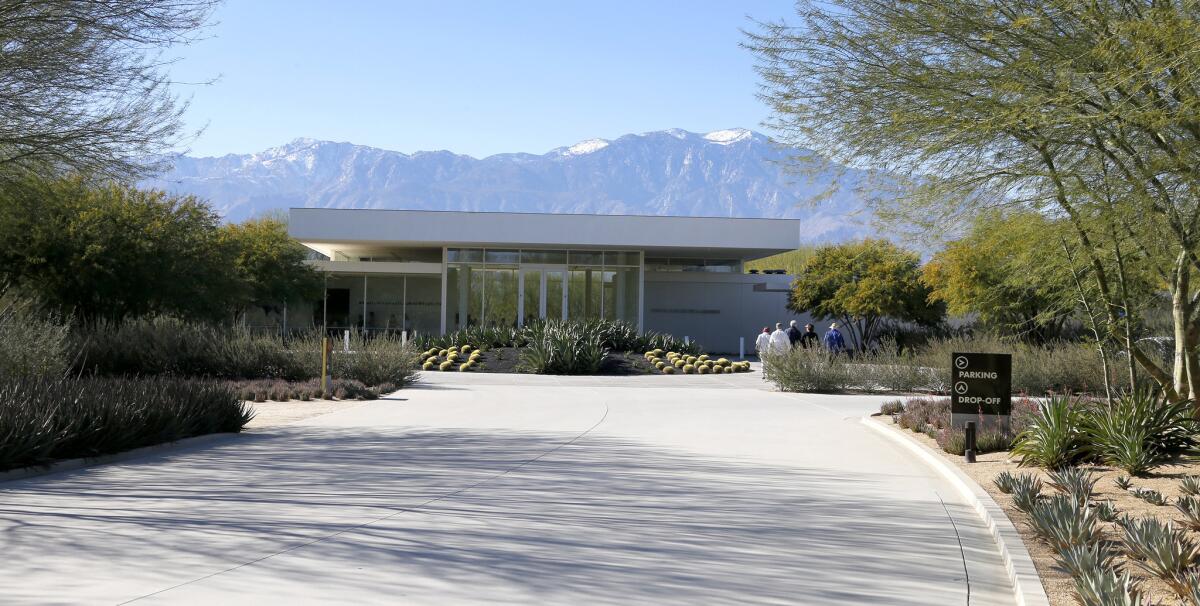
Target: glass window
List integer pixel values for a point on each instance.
(464, 296)
(586, 257)
(500, 300)
(548, 257)
(423, 305)
(621, 294)
(584, 293)
(464, 255)
(621, 258)
(507, 257)
(385, 302)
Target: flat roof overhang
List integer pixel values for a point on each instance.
(326, 229)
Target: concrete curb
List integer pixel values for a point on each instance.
(74, 464)
(1026, 584)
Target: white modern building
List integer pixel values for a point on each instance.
(435, 271)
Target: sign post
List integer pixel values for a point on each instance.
(980, 390)
(326, 353)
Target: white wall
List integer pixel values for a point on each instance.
(715, 309)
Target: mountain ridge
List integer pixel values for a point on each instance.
(726, 173)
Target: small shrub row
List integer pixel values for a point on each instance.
(613, 335)
(1037, 369)
(44, 419)
(278, 390)
(165, 346)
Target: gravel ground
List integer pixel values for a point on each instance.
(1059, 586)
(273, 414)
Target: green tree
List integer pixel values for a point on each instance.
(1087, 112)
(1006, 271)
(861, 284)
(113, 252)
(270, 264)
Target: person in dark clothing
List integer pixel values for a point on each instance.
(810, 338)
(793, 334)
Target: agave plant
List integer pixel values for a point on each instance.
(1053, 437)
(1004, 482)
(1191, 581)
(1084, 558)
(1190, 486)
(1062, 522)
(1189, 506)
(1123, 482)
(1027, 491)
(1162, 550)
(1106, 511)
(1075, 481)
(1140, 430)
(1150, 496)
(1107, 587)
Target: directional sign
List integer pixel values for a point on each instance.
(982, 386)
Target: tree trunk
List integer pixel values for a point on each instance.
(1180, 315)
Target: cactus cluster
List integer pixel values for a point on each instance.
(671, 362)
(462, 358)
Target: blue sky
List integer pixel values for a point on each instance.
(471, 77)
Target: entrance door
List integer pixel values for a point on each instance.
(543, 293)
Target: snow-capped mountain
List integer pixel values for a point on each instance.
(726, 173)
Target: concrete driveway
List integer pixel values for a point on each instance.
(496, 489)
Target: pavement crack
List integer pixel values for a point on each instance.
(961, 550)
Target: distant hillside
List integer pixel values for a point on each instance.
(729, 173)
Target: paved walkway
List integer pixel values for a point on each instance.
(488, 489)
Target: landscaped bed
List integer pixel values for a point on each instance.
(1109, 504)
(593, 347)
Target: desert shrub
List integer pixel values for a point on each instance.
(1139, 431)
(1060, 367)
(924, 415)
(32, 343)
(1054, 437)
(45, 419)
(376, 361)
(261, 390)
(955, 441)
(807, 370)
(562, 348)
(891, 407)
(166, 346)
(614, 335)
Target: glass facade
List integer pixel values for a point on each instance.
(505, 287)
(380, 303)
(495, 287)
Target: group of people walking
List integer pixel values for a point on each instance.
(782, 340)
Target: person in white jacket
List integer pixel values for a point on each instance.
(780, 343)
(763, 343)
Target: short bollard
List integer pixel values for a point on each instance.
(969, 452)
